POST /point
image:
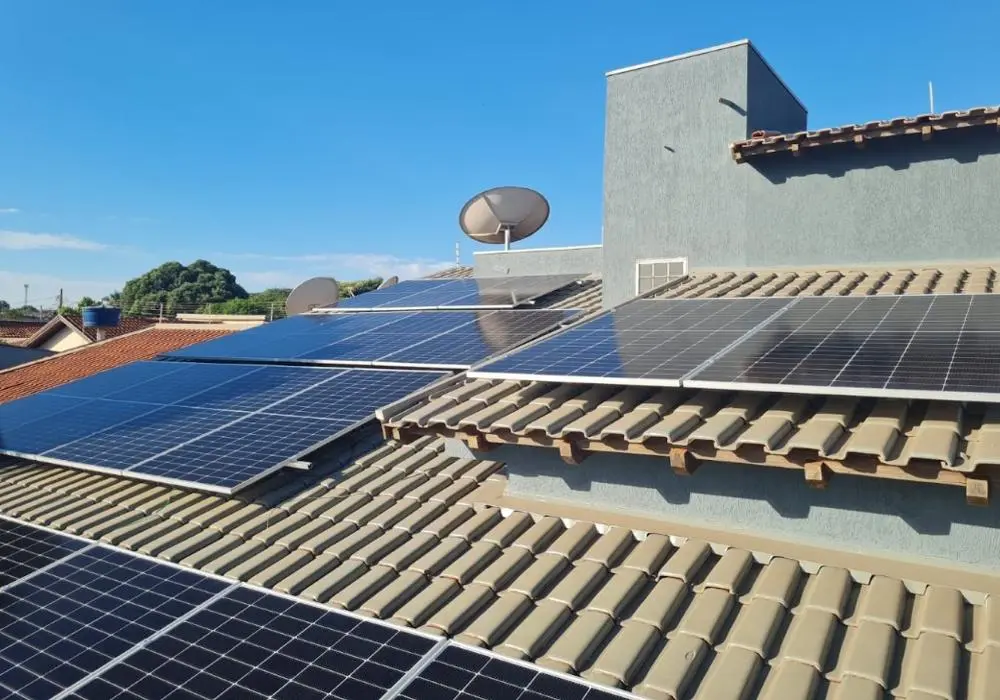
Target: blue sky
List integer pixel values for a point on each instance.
(289, 139)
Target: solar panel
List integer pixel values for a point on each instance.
(249, 644)
(483, 292)
(25, 549)
(646, 342)
(438, 339)
(71, 619)
(932, 346)
(213, 426)
(459, 673)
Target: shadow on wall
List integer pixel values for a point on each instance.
(744, 496)
(898, 153)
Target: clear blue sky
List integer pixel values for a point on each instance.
(289, 139)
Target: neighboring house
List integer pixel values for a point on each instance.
(678, 544)
(66, 331)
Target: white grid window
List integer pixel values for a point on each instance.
(650, 274)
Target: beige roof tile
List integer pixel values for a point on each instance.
(578, 584)
(686, 561)
(828, 590)
(649, 554)
(281, 568)
(707, 614)
(416, 611)
(576, 646)
(540, 575)
(931, 664)
(488, 628)
(939, 610)
(619, 662)
(732, 673)
(730, 571)
(395, 594)
(661, 604)
(454, 616)
(325, 586)
(869, 652)
(778, 581)
(756, 626)
(675, 667)
(362, 588)
(535, 631)
(792, 679)
(503, 570)
(618, 592)
(809, 638)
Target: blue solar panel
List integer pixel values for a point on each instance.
(492, 292)
(121, 378)
(77, 616)
(219, 426)
(460, 338)
(133, 441)
(654, 342)
(85, 419)
(241, 452)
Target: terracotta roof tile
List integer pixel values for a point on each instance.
(19, 329)
(618, 604)
(90, 359)
(925, 125)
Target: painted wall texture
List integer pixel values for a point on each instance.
(672, 188)
(854, 513)
(585, 259)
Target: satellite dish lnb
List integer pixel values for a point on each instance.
(312, 294)
(389, 282)
(503, 215)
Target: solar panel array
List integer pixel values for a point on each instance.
(930, 346)
(446, 340)
(482, 292)
(646, 341)
(101, 623)
(213, 426)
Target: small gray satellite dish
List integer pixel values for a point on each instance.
(503, 215)
(311, 294)
(389, 282)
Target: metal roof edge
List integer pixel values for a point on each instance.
(678, 57)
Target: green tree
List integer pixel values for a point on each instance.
(113, 299)
(255, 303)
(85, 301)
(4, 306)
(352, 289)
(178, 286)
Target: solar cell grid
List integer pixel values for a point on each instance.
(220, 437)
(655, 342)
(458, 673)
(250, 645)
(239, 453)
(25, 549)
(483, 292)
(80, 614)
(932, 346)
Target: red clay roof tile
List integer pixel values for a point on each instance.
(91, 359)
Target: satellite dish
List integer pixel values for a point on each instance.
(311, 294)
(389, 282)
(503, 215)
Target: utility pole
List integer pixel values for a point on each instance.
(60, 298)
(930, 93)
(25, 296)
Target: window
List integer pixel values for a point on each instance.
(650, 274)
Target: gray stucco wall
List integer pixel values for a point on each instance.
(540, 261)
(671, 188)
(898, 200)
(855, 513)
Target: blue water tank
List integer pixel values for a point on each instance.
(101, 316)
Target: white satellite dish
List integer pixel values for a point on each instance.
(503, 215)
(389, 282)
(312, 294)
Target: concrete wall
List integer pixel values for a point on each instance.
(896, 200)
(856, 513)
(538, 261)
(671, 189)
